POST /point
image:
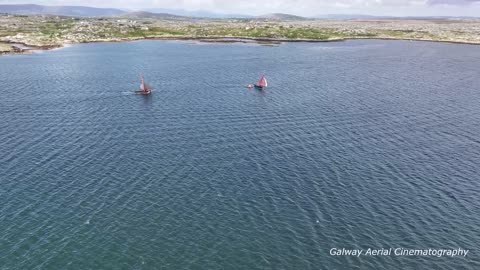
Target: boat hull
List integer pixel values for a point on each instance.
(259, 87)
(143, 92)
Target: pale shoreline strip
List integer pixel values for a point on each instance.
(219, 39)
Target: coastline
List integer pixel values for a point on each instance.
(26, 48)
(23, 48)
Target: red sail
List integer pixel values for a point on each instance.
(144, 86)
(262, 82)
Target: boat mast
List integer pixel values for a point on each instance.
(142, 85)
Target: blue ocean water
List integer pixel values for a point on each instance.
(358, 144)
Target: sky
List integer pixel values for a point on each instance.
(297, 7)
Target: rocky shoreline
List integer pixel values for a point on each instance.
(22, 48)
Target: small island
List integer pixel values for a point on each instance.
(49, 31)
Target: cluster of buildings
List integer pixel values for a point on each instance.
(41, 30)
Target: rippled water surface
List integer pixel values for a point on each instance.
(356, 144)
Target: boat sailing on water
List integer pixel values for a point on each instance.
(145, 89)
(262, 83)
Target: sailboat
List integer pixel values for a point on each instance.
(145, 89)
(262, 83)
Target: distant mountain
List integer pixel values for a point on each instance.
(349, 16)
(161, 13)
(366, 17)
(281, 17)
(79, 11)
(151, 15)
(197, 13)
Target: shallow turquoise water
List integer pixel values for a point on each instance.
(356, 144)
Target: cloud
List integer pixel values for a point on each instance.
(452, 2)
